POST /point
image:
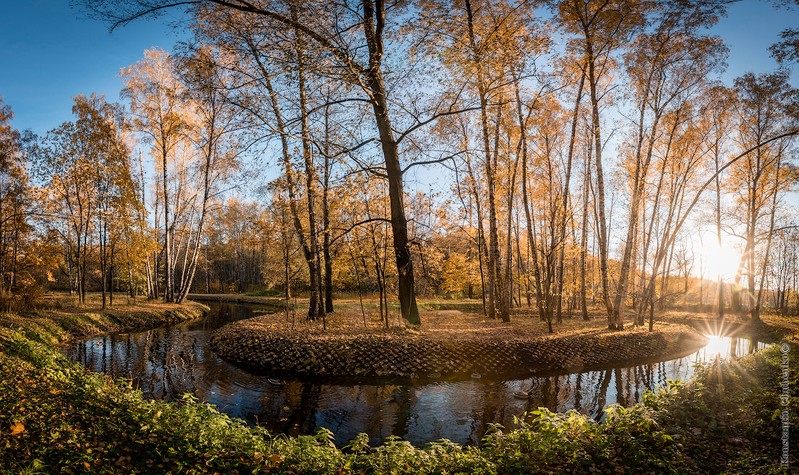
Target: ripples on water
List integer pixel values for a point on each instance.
(168, 362)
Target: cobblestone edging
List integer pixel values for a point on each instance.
(406, 356)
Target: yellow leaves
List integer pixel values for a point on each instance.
(17, 428)
(276, 458)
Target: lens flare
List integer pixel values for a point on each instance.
(719, 260)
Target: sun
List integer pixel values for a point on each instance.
(717, 345)
(719, 260)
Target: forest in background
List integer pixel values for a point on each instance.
(592, 156)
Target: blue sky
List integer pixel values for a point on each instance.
(750, 27)
(49, 53)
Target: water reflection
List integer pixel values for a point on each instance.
(166, 363)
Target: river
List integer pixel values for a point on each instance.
(168, 362)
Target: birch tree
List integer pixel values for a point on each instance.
(214, 134)
(667, 65)
(597, 29)
(159, 113)
(762, 110)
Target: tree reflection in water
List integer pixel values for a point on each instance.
(166, 363)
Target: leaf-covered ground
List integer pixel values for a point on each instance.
(268, 345)
(56, 417)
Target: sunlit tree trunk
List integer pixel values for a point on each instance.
(758, 299)
(482, 251)
(564, 210)
(495, 291)
(584, 234)
(508, 287)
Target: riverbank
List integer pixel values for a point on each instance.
(57, 417)
(480, 350)
(772, 327)
(61, 325)
(274, 302)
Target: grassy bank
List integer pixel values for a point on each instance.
(57, 417)
(60, 321)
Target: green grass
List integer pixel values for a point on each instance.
(55, 416)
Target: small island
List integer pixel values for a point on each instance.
(450, 345)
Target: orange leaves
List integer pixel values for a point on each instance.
(276, 458)
(17, 428)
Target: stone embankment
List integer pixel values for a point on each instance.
(416, 355)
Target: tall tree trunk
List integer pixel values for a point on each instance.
(602, 232)
(520, 264)
(508, 287)
(494, 275)
(755, 314)
(316, 309)
(717, 182)
(584, 235)
(190, 262)
(156, 253)
(530, 222)
(104, 261)
(111, 269)
(313, 302)
(639, 182)
(169, 295)
(565, 204)
(326, 219)
(374, 21)
(482, 251)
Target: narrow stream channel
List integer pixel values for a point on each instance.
(168, 362)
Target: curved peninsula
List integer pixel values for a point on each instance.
(258, 343)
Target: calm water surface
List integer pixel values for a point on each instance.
(168, 362)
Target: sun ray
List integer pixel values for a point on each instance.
(718, 261)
